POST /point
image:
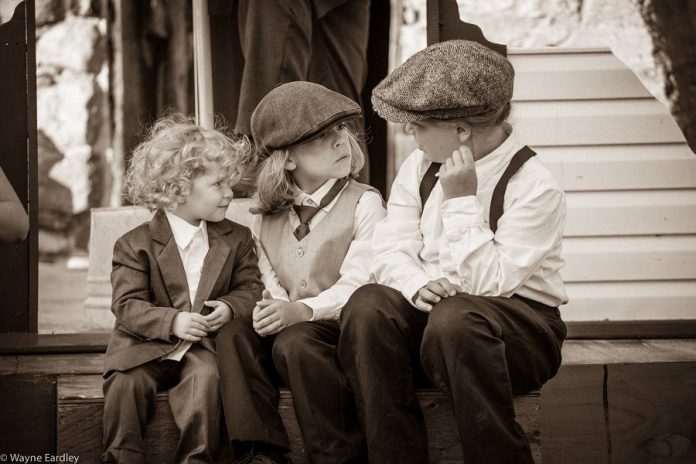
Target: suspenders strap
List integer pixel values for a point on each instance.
(518, 160)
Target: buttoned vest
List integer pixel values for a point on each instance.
(309, 266)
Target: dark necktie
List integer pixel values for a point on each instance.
(306, 213)
(428, 182)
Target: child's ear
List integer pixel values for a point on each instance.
(463, 132)
(290, 164)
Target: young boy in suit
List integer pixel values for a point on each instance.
(176, 280)
(466, 262)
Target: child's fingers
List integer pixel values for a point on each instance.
(263, 322)
(270, 329)
(438, 289)
(197, 332)
(190, 338)
(457, 158)
(199, 325)
(264, 312)
(266, 294)
(467, 154)
(448, 286)
(422, 305)
(428, 295)
(196, 317)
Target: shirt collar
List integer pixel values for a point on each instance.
(497, 160)
(183, 231)
(315, 198)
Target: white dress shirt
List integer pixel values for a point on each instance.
(192, 243)
(354, 270)
(452, 238)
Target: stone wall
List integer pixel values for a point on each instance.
(550, 23)
(73, 121)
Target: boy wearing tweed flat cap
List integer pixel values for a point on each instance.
(466, 262)
(313, 230)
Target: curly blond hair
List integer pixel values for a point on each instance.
(175, 152)
(275, 187)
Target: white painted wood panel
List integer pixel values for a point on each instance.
(605, 259)
(594, 122)
(557, 75)
(624, 167)
(651, 212)
(636, 300)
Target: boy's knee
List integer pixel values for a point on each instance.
(462, 317)
(291, 341)
(132, 381)
(365, 307)
(234, 332)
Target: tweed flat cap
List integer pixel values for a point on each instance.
(448, 80)
(296, 113)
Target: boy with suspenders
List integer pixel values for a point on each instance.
(466, 262)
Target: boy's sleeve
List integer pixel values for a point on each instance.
(488, 264)
(245, 285)
(130, 281)
(397, 241)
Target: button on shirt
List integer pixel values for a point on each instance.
(452, 238)
(192, 243)
(354, 270)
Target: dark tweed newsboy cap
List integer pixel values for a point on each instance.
(298, 112)
(448, 80)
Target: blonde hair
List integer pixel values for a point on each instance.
(275, 187)
(175, 152)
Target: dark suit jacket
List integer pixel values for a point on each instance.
(150, 288)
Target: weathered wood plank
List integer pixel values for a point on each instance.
(28, 411)
(573, 427)
(600, 352)
(594, 122)
(651, 413)
(80, 403)
(52, 364)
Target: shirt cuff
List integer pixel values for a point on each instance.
(461, 213)
(322, 308)
(409, 289)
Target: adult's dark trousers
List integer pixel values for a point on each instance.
(480, 351)
(321, 41)
(194, 397)
(302, 357)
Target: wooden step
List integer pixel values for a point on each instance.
(81, 401)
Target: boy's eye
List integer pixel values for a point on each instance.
(342, 126)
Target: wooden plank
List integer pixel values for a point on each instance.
(574, 76)
(28, 409)
(651, 413)
(648, 212)
(630, 258)
(26, 343)
(573, 426)
(630, 300)
(52, 364)
(80, 403)
(622, 167)
(598, 352)
(594, 122)
(593, 330)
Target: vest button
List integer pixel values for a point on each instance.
(300, 252)
(303, 284)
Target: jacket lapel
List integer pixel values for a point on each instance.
(214, 262)
(169, 260)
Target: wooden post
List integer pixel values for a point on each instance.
(202, 65)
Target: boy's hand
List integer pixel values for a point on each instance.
(190, 326)
(458, 174)
(271, 316)
(220, 315)
(433, 292)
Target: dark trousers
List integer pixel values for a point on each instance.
(194, 397)
(321, 41)
(303, 357)
(480, 351)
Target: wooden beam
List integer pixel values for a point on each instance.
(202, 65)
